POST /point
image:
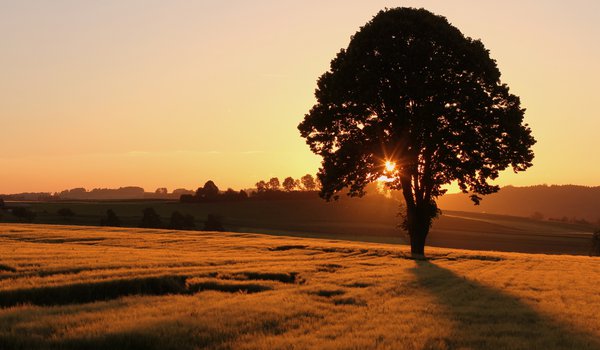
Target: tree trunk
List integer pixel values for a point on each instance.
(418, 223)
(417, 240)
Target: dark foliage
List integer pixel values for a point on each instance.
(308, 182)
(161, 191)
(283, 195)
(209, 192)
(1, 203)
(151, 219)
(23, 213)
(289, 184)
(65, 213)
(103, 193)
(595, 249)
(187, 198)
(111, 219)
(229, 195)
(261, 186)
(213, 223)
(273, 184)
(411, 89)
(181, 222)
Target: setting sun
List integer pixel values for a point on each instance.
(390, 166)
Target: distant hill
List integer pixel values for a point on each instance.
(562, 203)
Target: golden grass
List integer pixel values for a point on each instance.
(67, 287)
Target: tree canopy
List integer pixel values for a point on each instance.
(289, 184)
(414, 100)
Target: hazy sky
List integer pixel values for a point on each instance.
(173, 93)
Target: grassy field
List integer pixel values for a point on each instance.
(77, 287)
(367, 219)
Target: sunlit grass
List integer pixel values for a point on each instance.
(115, 288)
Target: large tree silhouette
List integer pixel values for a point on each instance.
(415, 100)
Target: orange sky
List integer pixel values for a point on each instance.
(173, 93)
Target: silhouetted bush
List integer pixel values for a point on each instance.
(111, 219)
(230, 195)
(595, 251)
(23, 214)
(187, 198)
(213, 223)
(65, 213)
(181, 222)
(209, 192)
(150, 219)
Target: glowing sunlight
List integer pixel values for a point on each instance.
(390, 166)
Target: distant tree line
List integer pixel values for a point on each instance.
(305, 183)
(271, 189)
(177, 221)
(80, 193)
(210, 193)
(102, 193)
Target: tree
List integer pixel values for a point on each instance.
(595, 248)
(187, 198)
(111, 219)
(261, 186)
(273, 184)
(289, 184)
(66, 213)
(181, 222)
(213, 223)
(308, 182)
(412, 98)
(230, 195)
(24, 214)
(150, 219)
(161, 191)
(209, 192)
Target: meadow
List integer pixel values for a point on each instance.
(83, 287)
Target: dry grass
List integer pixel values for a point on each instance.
(67, 287)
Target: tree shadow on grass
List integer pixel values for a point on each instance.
(487, 318)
